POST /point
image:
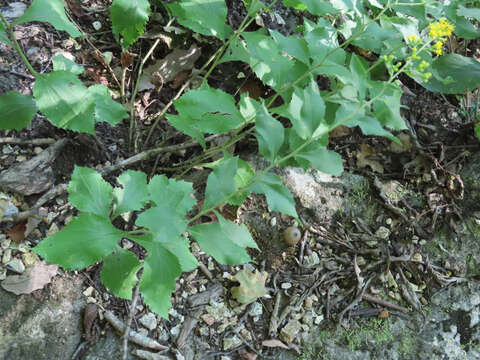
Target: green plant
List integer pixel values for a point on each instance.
(361, 93)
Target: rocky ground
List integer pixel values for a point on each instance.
(403, 219)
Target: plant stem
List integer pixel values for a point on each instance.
(134, 94)
(260, 174)
(16, 45)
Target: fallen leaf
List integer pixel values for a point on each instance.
(253, 87)
(363, 158)
(175, 62)
(383, 314)
(246, 355)
(252, 286)
(126, 59)
(17, 232)
(180, 78)
(339, 131)
(274, 343)
(32, 279)
(405, 146)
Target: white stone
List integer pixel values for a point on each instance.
(286, 285)
(88, 291)
(97, 25)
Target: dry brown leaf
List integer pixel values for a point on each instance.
(274, 343)
(34, 278)
(246, 355)
(339, 131)
(17, 232)
(363, 160)
(253, 87)
(126, 59)
(180, 78)
(175, 62)
(405, 146)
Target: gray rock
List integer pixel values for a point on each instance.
(45, 327)
(290, 331)
(312, 259)
(256, 309)
(14, 10)
(231, 342)
(16, 265)
(382, 233)
(149, 321)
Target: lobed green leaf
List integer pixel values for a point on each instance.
(205, 110)
(86, 239)
(51, 11)
(133, 195)
(17, 110)
(119, 272)
(279, 198)
(166, 219)
(65, 101)
(224, 240)
(88, 192)
(463, 72)
(206, 17)
(106, 109)
(60, 62)
(221, 182)
(128, 20)
(160, 270)
(269, 133)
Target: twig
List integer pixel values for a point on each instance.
(384, 303)
(135, 90)
(302, 246)
(51, 194)
(158, 116)
(129, 323)
(16, 141)
(13, 72)
(204, 269)
(134, 336)
(274, 319)
(356, 301)
(144, 155)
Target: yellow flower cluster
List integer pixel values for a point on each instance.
(438, 48)
(440, 29)
(414, 39)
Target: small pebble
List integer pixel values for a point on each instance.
(273, 221)
(256, 309)
(88, 291)
(16, 265)
(7, 256)
(149, 321)
(286, 285)
(97, 25)
(30, 258)
(37, 150)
